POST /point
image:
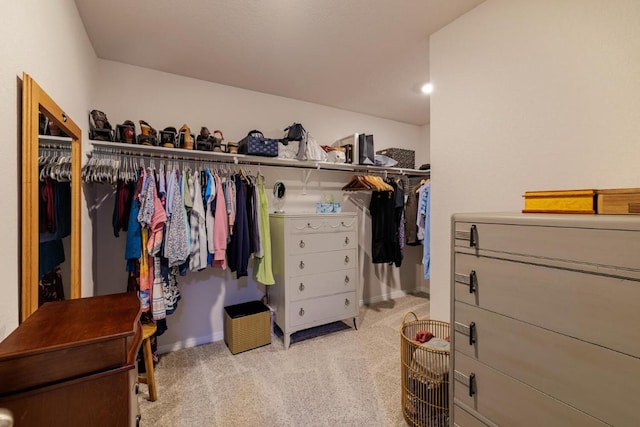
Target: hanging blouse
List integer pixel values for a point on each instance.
(177, 242)
(198, 259)
(263, 265)
(220, 230)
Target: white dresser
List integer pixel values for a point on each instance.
(545, 318)
(315, 265)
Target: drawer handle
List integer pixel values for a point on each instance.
(346, 302)
(346, 280)
(346, 240)
(469, 381)
(301, 312)
(473, 236)
(346, 259)
(301, 287)
(472, 333)
(467, 330)
(302, 245)
(301, 265)
(471, 280)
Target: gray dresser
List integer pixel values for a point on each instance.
(315, 259)
(545, 320)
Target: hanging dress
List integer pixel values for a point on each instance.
(263, 265)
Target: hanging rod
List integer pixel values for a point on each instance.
(194, 155)
(54, 142)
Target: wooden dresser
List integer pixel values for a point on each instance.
(315, 265)
(72, 363)
(545, 315)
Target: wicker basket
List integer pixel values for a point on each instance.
(425, 373)
(247, 326)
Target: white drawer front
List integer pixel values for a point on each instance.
(305, 264)
(508, 402)
(553, 363)
(309, 243)
(573, 303)
(322, 310)
(315, 285)
(323, 224)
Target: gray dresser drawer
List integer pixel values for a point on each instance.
(322, 310)
(314, 285)
(309, 243)
(508, 402)
(606, 247)
(553, 363)
(570, 302)
(305, 264)
(465, 419)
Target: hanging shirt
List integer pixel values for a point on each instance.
(177, 243)
(263, 265)
(425, 213)
(238, 248)
(198, 259)
(220, 232)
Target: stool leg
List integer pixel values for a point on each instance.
(148, 365)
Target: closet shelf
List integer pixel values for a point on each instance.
(181, 154)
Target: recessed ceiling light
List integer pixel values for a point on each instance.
(427, 88)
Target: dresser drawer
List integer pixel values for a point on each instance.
(322, 224)
(321, 310)
(305, 264)
(508, 402)
(462, 418)
(315, 285)
(309, 243)
(605, 247)
(552, 363)
(570, 302)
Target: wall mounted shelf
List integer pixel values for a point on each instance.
(181, 154)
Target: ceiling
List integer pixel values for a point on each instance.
(366, 56)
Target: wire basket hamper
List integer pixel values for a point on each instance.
(425, 374)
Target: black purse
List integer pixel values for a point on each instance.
(295, 132)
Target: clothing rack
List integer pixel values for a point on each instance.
(143, 151)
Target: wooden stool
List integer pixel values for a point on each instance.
(148, 329)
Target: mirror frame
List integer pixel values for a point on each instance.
(34, 101)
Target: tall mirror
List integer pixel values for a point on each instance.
(50, 229)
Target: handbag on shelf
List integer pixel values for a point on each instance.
(255, 144)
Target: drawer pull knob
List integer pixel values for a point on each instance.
(346, 280)
(346, 240)
(346, 302)
(472, 333)
(302, 245)
(301, 287)
(346, 259)
(473, 281)
(301, 312)
(301, 265)
(473, 236)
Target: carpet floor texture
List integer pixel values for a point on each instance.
(344, 377)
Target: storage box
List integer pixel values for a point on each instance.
(563, 201)
(618, 201)
(247, 326)
(405, 158)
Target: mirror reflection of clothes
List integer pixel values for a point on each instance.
(55, 224)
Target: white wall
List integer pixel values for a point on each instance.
(128, 92)
(46, 40)
(530, 96)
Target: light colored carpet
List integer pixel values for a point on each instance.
(344, 378)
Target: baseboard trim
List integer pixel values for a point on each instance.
(191, 342)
